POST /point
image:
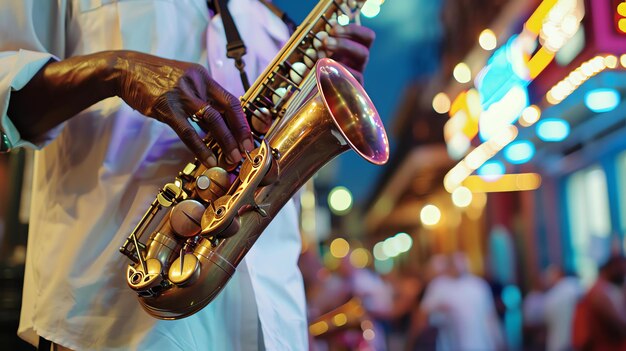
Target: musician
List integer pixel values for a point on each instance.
(104, 90)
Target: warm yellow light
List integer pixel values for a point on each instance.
(367, 324)
(430, 215)
(340, 200)
(539, 62)
(551, 99)
(441, 103)
(621, 9)
(487, 40)
(621, 24)
(569, 25)
(318, 328)
(340, 319)
(611, 60)
(461, 197)
(331, 262)
(507, 182)
(339, 248)
(307, 200)
(462, 73)
(622, 60)
(479, 200)
(359, 258)
(536, 19)
(455, 176)
(530, 115)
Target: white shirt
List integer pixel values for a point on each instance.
(465, 311)
(95, 180)
(560, 303)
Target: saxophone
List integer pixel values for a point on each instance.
(203, 223)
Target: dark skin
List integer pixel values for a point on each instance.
(166, 90)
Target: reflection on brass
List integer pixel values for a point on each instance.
(185, 218)
(184, 269)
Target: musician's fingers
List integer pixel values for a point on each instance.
(362, 35)
(213, 122)
(173, 110)
(194, 142)
(229, 106)
(348, 52)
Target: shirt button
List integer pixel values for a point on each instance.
(219, 63)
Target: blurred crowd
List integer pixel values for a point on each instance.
(442, 305)
(560, 313)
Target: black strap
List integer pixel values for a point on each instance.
(44, 344)
(235, 48)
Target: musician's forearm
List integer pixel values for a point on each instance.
(60, 90)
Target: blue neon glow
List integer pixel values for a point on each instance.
(602, 100)
(491, 170)
(519, 152)
(503, 112)
(552, 129)
(505, 68)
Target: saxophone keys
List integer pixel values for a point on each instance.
(216, 221)
(185, 218)
(212, 184)
(170, 193)
(318, 40)
(278, 94)
(263, 120)
(297, 72)
(141, 280)
(184, 270)
(310, 56)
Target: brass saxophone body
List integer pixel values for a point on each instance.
(209, 224)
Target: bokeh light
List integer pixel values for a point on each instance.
(339, 248)
(340, 200)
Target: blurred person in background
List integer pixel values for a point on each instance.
(373, 293)
(466, 304)
(533, 310)
(600, 317)
(422, 334)
(560, 302)
(407, 286)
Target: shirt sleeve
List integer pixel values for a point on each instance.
(32, 35)
(16, 70)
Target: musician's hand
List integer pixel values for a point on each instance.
(171, 91)
(350, 45)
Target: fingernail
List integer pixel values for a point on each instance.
(331, 43)
(211, 161)
(234, 157)
(248, 145)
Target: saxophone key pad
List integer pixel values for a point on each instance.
(186, 218)
(184, 270)
(212, 184)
